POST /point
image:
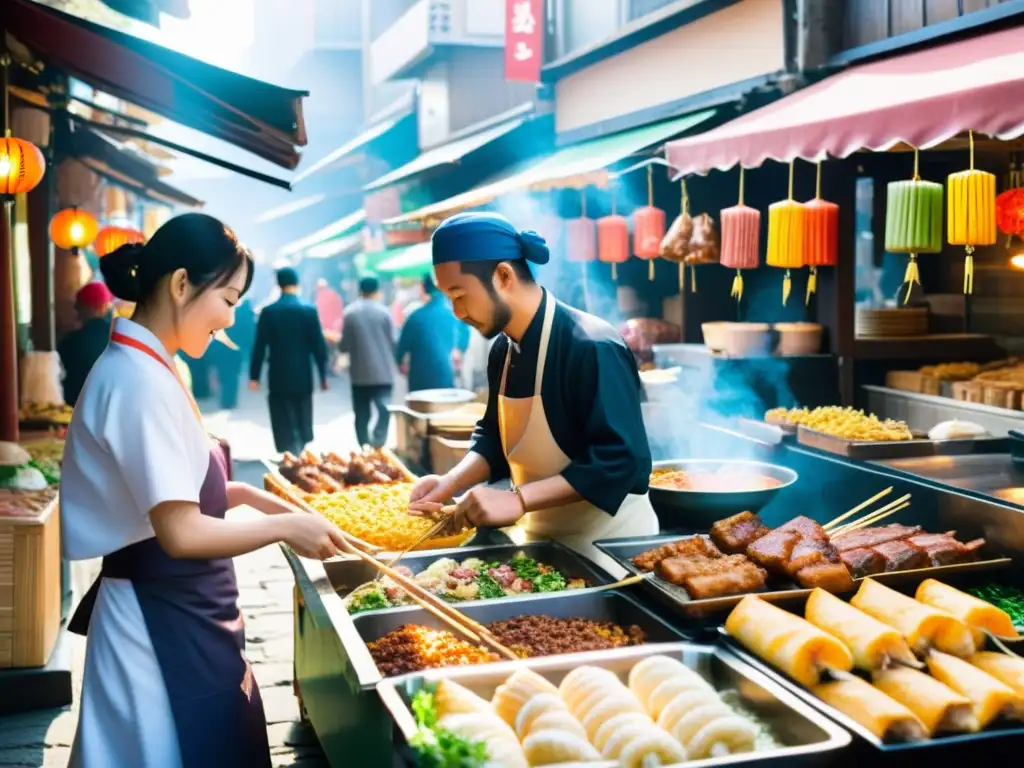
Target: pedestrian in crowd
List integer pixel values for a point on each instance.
(368, 338)
(80, 349)
(166, 681)
(432, 341)
(228, 359)
(331, 309)
(289, 330)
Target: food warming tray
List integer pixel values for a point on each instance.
(349, 572)
(622, 550)
(808, 738)
(598, 606)
(899, 449)
(1003, 740)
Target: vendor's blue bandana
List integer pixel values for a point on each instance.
(485, 237)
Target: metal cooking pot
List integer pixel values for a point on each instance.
(438, 400)
(700, 509)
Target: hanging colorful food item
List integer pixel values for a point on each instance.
(971, 213)
(703, 246)
(1010, 214)
(741, 240)
(648, 227)
(821, 236)
(786, 228)
(913, 221)
(613, 239)
(581, 236)
(676, 243)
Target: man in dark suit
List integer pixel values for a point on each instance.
(290, 330)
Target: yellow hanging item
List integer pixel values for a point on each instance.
(737, 286)
(786, 228)
(971, 213)
(812, 285)
(787, 286)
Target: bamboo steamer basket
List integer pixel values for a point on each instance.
(30, 589)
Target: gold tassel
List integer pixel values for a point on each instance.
(787, 286)
(812, 285)
(615, 272)
(913, 274)
(969, 271)
(650, 269)
(737, 286)
(693, 279)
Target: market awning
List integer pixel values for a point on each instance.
(336, 247)
(343, 226)
(446, 154)
(407, 261)
(121, 165)
(576, 166)
(920, 99)
(351, 147)
(261, 118)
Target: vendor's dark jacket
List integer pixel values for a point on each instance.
(289, 330)
(79, 350)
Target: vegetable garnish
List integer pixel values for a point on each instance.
(1008, 599)
(438, 747)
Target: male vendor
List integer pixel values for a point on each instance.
(563, 417)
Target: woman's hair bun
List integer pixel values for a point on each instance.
(533, 247)
(120, 270)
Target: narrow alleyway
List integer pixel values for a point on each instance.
(265, 584)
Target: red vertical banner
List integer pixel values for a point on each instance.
(524, 40)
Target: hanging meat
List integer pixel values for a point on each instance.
(703, 242)
(676, 243)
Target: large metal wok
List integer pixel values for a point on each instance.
(683, 509)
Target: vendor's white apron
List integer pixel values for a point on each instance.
(533, 454)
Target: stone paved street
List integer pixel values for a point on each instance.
(265, 584)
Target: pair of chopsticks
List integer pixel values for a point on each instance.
(833, 527)
(434, 530)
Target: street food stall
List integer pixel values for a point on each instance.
(382, 672)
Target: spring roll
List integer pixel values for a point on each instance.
(989, 697)
(980, 616)
(937, 706)
(1009, 670)
(790, 643)
(873, 644)
(923, 626)
(886, 718)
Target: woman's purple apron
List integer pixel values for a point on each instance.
(196, 628)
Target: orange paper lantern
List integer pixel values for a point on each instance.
(73, 229)
(613, 239)
(22, 166)
(110, 239)
(580, 240)
(648, 231)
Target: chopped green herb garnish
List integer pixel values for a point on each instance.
(1008, 599)
(549, 582)
(438, 747)
(488, 587)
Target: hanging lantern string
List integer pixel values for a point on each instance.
(583, 203)
(737, 281)
(917, 165)
(970, 144)
(792, 166)
(913, 274)
(969, 263)
(817, 183)
(742, 185)
(684, 200)
(650, 185)
(812, 277)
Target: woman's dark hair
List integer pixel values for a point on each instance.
(484, 271)
(201, 245)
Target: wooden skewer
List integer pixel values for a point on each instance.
(626, 582)
(438, 607)
(858, 508)
(896, 506)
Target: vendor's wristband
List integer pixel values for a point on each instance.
(522, 501)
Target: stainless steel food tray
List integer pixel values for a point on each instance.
(996, 740)
(349, 572)
(623, 550)
(808, 738)
(598, 606)
(899, 449)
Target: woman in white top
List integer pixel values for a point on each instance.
(166, 681)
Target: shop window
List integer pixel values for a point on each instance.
(869, 274)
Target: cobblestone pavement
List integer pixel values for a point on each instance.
(265, 585)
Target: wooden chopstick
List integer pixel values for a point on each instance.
(429, 534)
(438, 607)
(873, 517)
(858, 508)
(626, 582)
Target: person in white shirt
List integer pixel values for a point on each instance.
(166, 682)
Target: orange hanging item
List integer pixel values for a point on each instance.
(648, 228)
(821, 236)
(73, 229)
(581, 236)
(741, 240)
(786, 228)
(613, 239)
(22, 166)
(110, 239)
(971, 212)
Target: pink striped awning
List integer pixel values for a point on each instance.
(920, 99)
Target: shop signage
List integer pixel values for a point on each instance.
(524, 40)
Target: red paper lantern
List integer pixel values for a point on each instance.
(1010, 212)
(110, 239)
(821, 233)
(648, 231)
(580, 240)
(613, 239)
(22, 166)
(73, 229)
